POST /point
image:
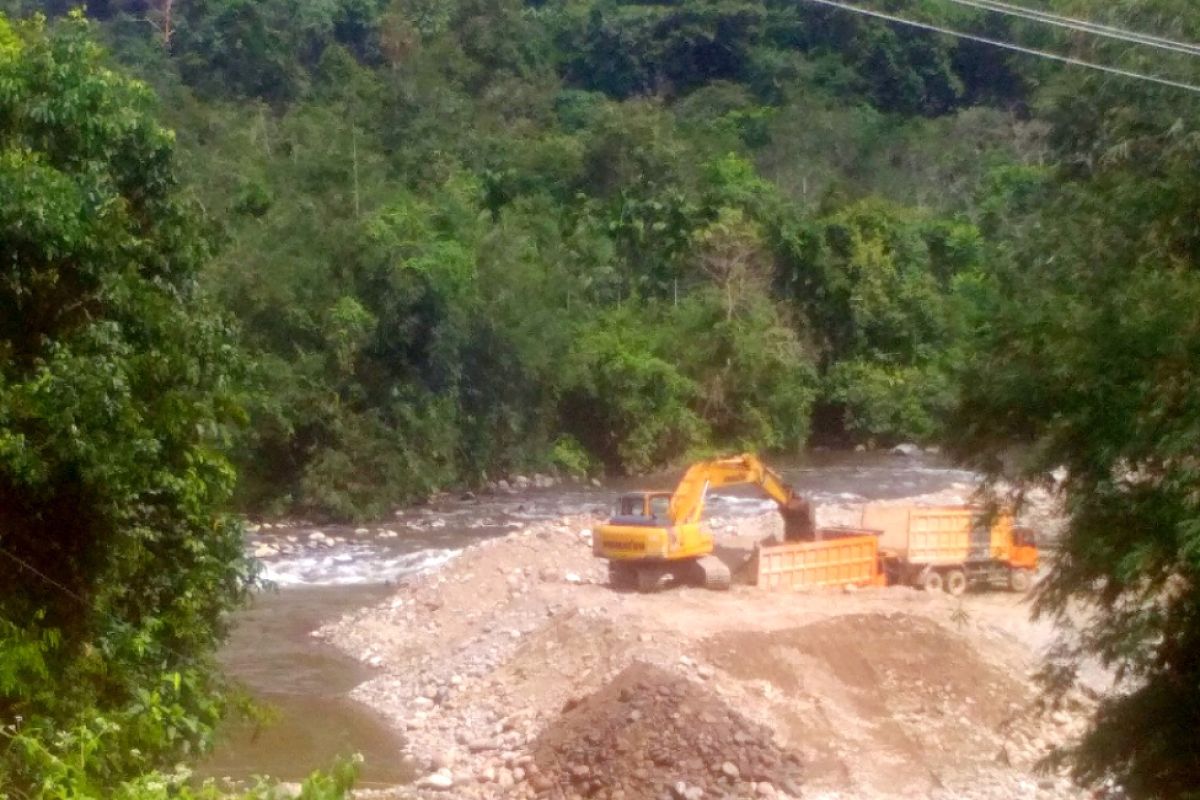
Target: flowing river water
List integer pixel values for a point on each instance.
(323, 572)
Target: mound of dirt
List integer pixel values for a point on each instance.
(649, 734)
(889, 683)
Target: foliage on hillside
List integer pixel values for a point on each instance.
(461, 237)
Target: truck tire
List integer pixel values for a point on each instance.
(621, 576)
(1019, 580)
(930, 581)
(892, 571)
(956, 582)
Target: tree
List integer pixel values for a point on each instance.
(623, 400)
(118, 389)
(881, 286)
(625, 49)
(162, 17)
(404, 341)
(1089, 363)
(730, 252)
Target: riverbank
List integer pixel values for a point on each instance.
(877, 693)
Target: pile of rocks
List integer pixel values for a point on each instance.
(519, 483)
(653, 734)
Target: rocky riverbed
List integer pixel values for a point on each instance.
(485, 663)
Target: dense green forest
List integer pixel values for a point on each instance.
(464, 240)
(329, 256)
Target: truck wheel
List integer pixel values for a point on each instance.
(1019, 580)
(622, 577)
(956, 582)
(892, 572)
(931, 581)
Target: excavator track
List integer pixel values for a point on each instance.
(714, 573)
(622, 576)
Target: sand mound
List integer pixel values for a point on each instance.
(896, 684)
(649, 734)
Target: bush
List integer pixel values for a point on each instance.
(570, 457)
(62, 762)
(890, 403)
(626, 404)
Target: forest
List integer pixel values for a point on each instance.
(463, 241)
(329, 257)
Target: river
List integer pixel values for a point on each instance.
(321, 573)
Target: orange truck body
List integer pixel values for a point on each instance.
(841, 557)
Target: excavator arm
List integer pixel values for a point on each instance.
(687, 503)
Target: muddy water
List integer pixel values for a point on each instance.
(324, 572)
(303, 684)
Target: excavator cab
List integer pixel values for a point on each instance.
(643, 508)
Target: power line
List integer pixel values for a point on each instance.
(1077, 62)
(186, 659)
(1082, 26)
(26, 565)
(1097, 27)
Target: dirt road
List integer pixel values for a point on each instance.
(876, 693)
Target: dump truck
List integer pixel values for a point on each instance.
(952, 547)
(658, 534)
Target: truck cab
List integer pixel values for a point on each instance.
(1024, 554)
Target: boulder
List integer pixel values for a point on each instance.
(442, 779)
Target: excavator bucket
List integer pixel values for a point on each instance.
(799, 520)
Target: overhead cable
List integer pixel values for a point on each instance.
(1077, 62)
(1082, 26)
(26, 565)
(20, 562)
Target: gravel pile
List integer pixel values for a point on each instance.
(653, 734)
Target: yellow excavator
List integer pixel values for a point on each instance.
(655, 535)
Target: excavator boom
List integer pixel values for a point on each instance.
(687, 503)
